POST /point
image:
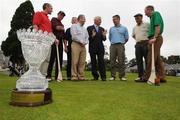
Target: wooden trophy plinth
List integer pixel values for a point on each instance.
(30, 98)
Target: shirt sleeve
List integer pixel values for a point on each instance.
(73, 32)
(157, 19)
(126, 35)
(37, 19)
(147, 26)
(89, 32)
(86, 37)
(67, 34)
(133, 32)
(110, 34)
(54, 23)
(103, 38)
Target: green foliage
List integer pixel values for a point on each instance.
(173, 59)
(21, 19)
(164, 59)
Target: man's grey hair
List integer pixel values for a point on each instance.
(97, 17)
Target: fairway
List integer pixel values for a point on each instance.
(98, 100)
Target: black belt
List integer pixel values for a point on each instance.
(142, 42)
(76, 42)
(151, 37)
(118, 43)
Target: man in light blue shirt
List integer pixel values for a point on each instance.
(118, 36)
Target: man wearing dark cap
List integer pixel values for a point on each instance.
(140, 34)
(58, 30)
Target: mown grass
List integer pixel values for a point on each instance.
(98, 100)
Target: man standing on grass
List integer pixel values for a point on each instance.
(42, 22)
(79, 40)
(118, 36)
(155, 37)
(58, 30)
(67, 48)
(140, 32)
(97, 35)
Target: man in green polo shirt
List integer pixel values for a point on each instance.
(155, 37)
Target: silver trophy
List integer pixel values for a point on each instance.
(35, 47)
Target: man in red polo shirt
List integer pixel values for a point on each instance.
(42, 22)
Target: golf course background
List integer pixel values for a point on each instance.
(98, 100)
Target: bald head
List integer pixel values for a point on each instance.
(47, 8)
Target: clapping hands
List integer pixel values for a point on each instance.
(104, 33)
(93, 32)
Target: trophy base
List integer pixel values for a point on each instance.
(31, 98)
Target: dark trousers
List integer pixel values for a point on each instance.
(68, 70)
(141, 51)
(53, 57)
(101, 65)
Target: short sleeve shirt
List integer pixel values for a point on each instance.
(42, 21)
(118, 34)
(140, 32)
(155, 19)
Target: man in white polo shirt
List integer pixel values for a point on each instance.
(140, 34)
(80, 38)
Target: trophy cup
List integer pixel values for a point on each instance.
(32, 87)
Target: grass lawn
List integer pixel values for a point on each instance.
(98, 100)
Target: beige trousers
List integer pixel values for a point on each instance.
(78, 61)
